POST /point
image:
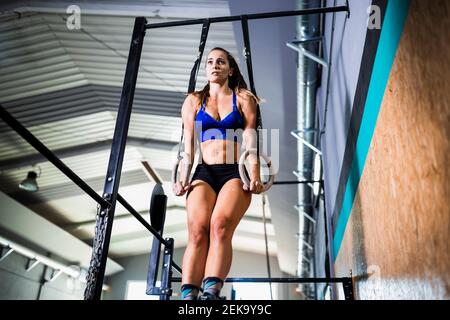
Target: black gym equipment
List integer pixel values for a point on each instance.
(107, 202)
(191, 88)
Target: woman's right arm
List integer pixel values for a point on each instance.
(188, 117)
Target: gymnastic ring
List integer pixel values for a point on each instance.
(243, 174)
(175, 170)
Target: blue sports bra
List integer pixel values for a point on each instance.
(224, 129)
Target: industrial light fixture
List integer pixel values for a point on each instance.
(30, 183)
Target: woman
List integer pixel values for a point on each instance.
(216, 198)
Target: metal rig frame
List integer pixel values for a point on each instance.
(107, 202)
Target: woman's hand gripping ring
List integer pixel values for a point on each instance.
(179, 187)
(245, 179)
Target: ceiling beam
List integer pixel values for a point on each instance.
(30, 160)
(131, 8)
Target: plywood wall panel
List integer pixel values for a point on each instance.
(397, 240)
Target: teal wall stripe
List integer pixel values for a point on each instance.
(394, 20)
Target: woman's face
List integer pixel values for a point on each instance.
(218, 67)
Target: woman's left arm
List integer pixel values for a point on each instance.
(248, 105)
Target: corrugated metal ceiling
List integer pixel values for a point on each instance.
(64, 86)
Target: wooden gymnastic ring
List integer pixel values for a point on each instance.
(243, 174)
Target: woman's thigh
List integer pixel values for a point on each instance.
(200, 203)
(232, 203)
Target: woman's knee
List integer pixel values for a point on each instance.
(198, 234)
(221, 228)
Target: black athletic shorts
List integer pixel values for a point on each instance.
(216, 175)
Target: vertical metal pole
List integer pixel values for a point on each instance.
(153, 264)
(105, 214)
(158, 205)
(166, 276)
(347, 285)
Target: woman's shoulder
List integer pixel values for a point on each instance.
(245, 96)
(191, 104)
(192, 99)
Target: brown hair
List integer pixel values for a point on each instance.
(236, 81)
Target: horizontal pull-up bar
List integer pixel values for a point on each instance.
(283, 280)
(47, 153)
(298, 182)
(249, 17)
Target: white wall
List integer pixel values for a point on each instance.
(18, 284)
